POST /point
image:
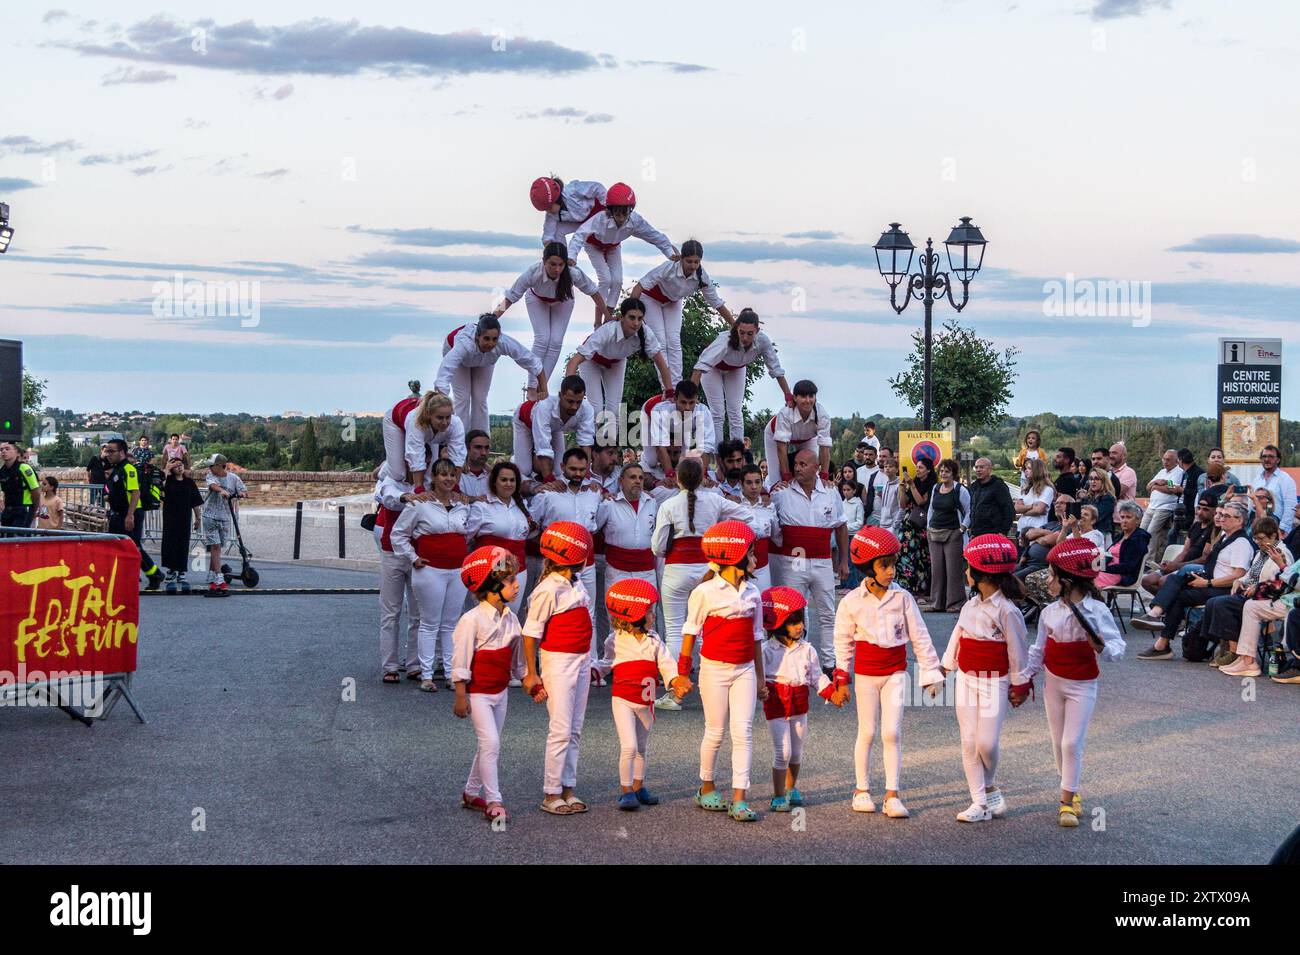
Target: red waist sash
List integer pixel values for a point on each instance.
(444, 551)
(1071, 660)
(516, 548)
(402, 409)
(635, 681)
(728, 639)
(629, 558)
(685, 550)
(604, 362)
(490, 670)
(386, 518)
(760, 552)
(810, 542)
(526, 412)
(871, 660)
(785, 700)
(543, 298)
(568, 632)
(657, 295)
(982, 656)
(603, 246)
(723, 366)
(451, 336)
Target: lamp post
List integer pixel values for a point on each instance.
(965, 244)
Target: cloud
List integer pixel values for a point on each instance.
(569, 114)
(26, 146)
(445, 263)
(9, 184)
(86, 248)
(116, 159)
(280, 93)
(331, 48)
(1238, 243)
(129, 74)
(149, 170)
(271, 173)
(437, 238)
(814, 253)
(1115, 9)
(54, 16)
(192, 123)
(824, 234)
(674, 67)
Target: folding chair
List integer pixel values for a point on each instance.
(1113, 596)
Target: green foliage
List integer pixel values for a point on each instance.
(33, 400)
(306, 455)
(61, 454)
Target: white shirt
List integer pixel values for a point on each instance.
(788, 427)
(668, 428)
(1163, 500)
(610, 343)
(421, 518)
(1024, 521)
(578, 198)
(853, 514)
(553, 595)
(622, 646)
(625, 527)
(795, 665)
(863, 475)
(797, 508)
(534, 279)
(604, 229)
(464, 352)
(1057, 621)
(1282, 486)
(484, 628)
(546, 421)
(994, 618)
(761, 519)
(1238, 554)
(710, 508)
(890, 622)
(872, 440)
(474, 485)
(717, 598)
(389, 491)
(672, 283)
(719, 352)
(608, 482)
(497, 518)
(547, 507)
(418, 457)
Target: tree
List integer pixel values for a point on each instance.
(33, 401)
(306, 454)
(971, 380)
(61, 454)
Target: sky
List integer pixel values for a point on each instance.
(366, 170)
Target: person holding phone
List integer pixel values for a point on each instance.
(1223, 615)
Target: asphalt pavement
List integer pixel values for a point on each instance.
(271, 739)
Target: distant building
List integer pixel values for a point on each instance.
(79, 439)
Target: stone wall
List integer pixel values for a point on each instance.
(272, 488)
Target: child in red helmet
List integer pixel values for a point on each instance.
(873, 625)
(725, 608)
(485, 656)
(987, 647)
(567, 204)
(635, 657)
(557, 658)
(792, 669)
(1072, 633)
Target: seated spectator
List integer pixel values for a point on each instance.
(1293, 539)
(1196, 545)
(1164, 490)
(1229, 559)
(1031, 450)
(1126, 555)
(1224, 620)
(1098, 494)
(1261, 502)
(1032, 572)
(1035, 505)
(1085, 525)
(1290, 671)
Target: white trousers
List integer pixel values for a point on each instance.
(1254, 614)
(775, 467)
(487, 711)
(567, 677)
(679, 581)
(605, 392)
(666, 322)
(881, 696)
(550, 322)
(523, 447)
(469, 396)
(788, 735)
(1069, 705)
(724, 392)
(632, 720)
(440, 595)
(395, 449)
(981, 704)
(729, 693)
(608, 266)
(813, 577)
(394, 585)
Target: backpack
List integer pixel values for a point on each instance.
(1197, 648)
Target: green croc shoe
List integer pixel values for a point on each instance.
(713, 801)
(741, 812)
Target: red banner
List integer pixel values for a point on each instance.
(68, 606)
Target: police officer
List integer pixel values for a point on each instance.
(20, 485)
(122, 487)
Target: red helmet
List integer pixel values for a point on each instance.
(480, 563)
(620, 194)
(991, 554)
(631, 599)
(566, 543)
(872, 542)
(727, 542)
(544, 193)
(1077, 556)
(779, 604)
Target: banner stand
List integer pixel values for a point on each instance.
(70, 696)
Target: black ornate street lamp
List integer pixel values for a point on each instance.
(965, 245)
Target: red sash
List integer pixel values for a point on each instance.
(785, 700)
(543, 298)
(760, 552)
(871, 660)
(444, 551)
(451, 336)
(603, 246)
(597, 540)
(402, 409)
(490, 670)
(685, 550)
(655, 294)
(982, 656)
(635, 681)
(629, 558)
(723, 366)
(509, 543)
(533, 547)
(728, 639)
(526, 412)
(604, 362)
(386, 518)
(568, 632)
(1071, 660)
(810, 542)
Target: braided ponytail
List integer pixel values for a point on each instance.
(690, 473)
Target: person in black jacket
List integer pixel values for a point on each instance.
(991, 510)
(1191, 474)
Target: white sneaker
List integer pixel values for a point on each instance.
(997, 803)
(974, 813)
(895, 809)
(667, 702)
(1241, 668)
(862, 802)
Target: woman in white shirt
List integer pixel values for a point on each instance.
(601, 360)
(724, 365)
(665, 288)
(502, 519)
(1035, 502)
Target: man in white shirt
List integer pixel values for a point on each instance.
(539, 428)
(683, 423)
(1280, 484)
(1165, 493)
(805, 425)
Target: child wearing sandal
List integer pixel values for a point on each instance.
(1072, 633)
(635, 657)
(557, 658)
(485, 657)
(873, 625)
(725, 608)
(987, 646)
(792, 669)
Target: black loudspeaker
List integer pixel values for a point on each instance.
(11, 390)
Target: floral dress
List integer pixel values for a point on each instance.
(913, 573)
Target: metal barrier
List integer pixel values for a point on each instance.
(86, 501)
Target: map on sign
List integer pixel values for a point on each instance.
(1245, 434)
